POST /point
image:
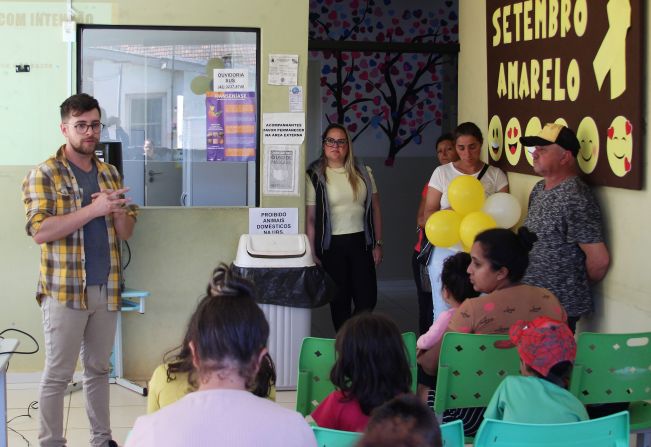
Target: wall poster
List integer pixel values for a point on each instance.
(230, 126)
(575, 62)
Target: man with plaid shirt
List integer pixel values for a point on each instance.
(76, 211)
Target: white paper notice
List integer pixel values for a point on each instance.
(230, 80)
(281, 170)
(295, 98)
(283, 128)
(283, 69)
(273, 220)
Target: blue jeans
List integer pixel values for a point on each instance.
(435, 265)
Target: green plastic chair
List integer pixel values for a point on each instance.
(616, 368)
(409, 338)
(452, 434)
(470, 370)
(315, 362)
(327, 437)
(609, 431)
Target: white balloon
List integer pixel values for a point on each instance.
(504, 208)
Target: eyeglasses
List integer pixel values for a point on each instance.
(82, 128)
(331, 142)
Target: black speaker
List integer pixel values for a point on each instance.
(110, 152)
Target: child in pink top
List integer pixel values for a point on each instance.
(456, 287)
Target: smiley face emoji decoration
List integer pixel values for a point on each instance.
(533, 128)
(588, 137)
(495, 138)
(512, 145)
(619, 146)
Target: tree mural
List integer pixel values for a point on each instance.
(395, 94)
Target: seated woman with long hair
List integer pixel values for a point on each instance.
(227, 336)
(499, 259)
(176, 377)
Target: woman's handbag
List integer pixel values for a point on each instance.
(425, 249)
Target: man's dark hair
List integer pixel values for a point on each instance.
(78, 104)
(402, 421)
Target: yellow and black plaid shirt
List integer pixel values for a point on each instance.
(50, 189)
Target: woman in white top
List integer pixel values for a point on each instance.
(468, 141)
(344, 224)
(227, 337)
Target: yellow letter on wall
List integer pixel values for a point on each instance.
(611, 56)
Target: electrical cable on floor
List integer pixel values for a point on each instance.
(33, 405)
(21, 435)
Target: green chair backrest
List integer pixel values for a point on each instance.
(409, 338)
(315, 362)
(616, 368)
(452, 434)
(612, 368)
(326, 437)
(470, 369)
(609, 431)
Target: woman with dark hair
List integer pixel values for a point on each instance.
(468, 141)
(344, 224)
(499, 259)
(226, 336)
(176, 377)
(371, 368)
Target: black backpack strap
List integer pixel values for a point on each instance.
(482, 172)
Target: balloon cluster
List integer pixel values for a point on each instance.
(471, 214)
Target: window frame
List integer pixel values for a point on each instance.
(257, 31)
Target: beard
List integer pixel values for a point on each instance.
(85, 147)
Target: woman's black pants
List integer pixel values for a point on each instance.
(349, 262)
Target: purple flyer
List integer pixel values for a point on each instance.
(231, 128)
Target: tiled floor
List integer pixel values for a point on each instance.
(126, 406)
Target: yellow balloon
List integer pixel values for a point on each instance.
(473, 224)
(466, 194)
(442, 228)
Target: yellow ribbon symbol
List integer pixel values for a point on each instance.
(611, 56)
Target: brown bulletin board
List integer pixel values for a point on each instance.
(578, 62)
